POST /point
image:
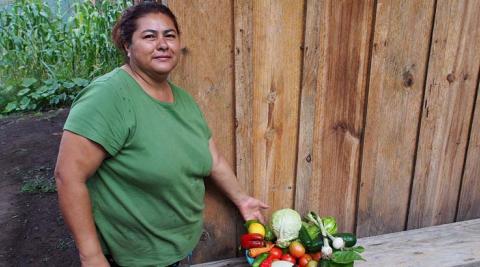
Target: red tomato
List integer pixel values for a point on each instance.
(316, 256)
(276, 253)
(303, 261)
(288, 257)
(296, 249)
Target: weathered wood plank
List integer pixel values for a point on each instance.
(469, 203)
(312, 59)
(449, 245)
(399, 56)
(243, 31)
(243, 14)
(337, 39)
(277, 38)
(446, 245)
(206, 71)
(447, 110)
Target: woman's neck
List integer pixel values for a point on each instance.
(155, 85)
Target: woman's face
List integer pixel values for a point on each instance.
(155, 45)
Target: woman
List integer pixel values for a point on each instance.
(134, 154)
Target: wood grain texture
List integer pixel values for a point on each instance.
(206, 71)
(447, 110)
(449, 245)
(399, 56)
(243, 14)
(243, 31)
(337, 39)
(312, 58)
(469, 202)
(277, 39)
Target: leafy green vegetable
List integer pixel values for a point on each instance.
(358, 249)
(312, 230)
(346, 256)
(330, 224)
(310, 237)
(285, 225)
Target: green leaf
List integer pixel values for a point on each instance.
(344, 257)
(80, 82)
(358, 249)
(24, 103)
(27, 82)
(23, 91)
(10, 107)
(68, 85)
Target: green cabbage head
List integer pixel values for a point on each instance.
(285, 224)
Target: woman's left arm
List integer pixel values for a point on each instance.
(224, 177)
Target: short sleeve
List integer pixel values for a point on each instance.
(206, 128)
(99, 114)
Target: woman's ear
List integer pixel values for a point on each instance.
(127, 49)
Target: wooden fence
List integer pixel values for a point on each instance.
(364, 110)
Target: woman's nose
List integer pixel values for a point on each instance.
(162, 44)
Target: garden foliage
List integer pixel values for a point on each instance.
(47, 55)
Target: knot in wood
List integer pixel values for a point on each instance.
(271, 97)
(407, 79)
(309, 158)
(205, 236)
(270, 133)
(451, 78)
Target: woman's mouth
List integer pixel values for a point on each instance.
(162, 58)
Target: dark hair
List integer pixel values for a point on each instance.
(126, 25)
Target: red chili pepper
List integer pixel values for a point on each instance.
(267, 262)
(252, 241)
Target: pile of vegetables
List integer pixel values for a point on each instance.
(290, 241)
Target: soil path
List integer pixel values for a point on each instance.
(32, 230)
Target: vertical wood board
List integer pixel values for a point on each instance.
(469, 202)
(399, 56)
(313, 57)
(447, 110)
(206, 71)
(243, 31)
(277, 39)
(243, 16)
(331, 127)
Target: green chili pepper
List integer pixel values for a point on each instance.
(258, 260)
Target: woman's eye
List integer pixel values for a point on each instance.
(150, 36)
(170, 36)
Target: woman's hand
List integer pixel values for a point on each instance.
(251, 208)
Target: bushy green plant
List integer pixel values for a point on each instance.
(46, 57)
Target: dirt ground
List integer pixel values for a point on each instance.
(32, 229)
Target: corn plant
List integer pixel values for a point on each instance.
(48, 55)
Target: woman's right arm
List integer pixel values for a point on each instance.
(79, 158)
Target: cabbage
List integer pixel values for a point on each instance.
(285, 224)
(330, 224)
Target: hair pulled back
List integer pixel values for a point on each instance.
(126, 25)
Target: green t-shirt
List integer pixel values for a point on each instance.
(148, 195)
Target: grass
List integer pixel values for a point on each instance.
(39, 184)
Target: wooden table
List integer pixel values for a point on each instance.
(447, 245)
